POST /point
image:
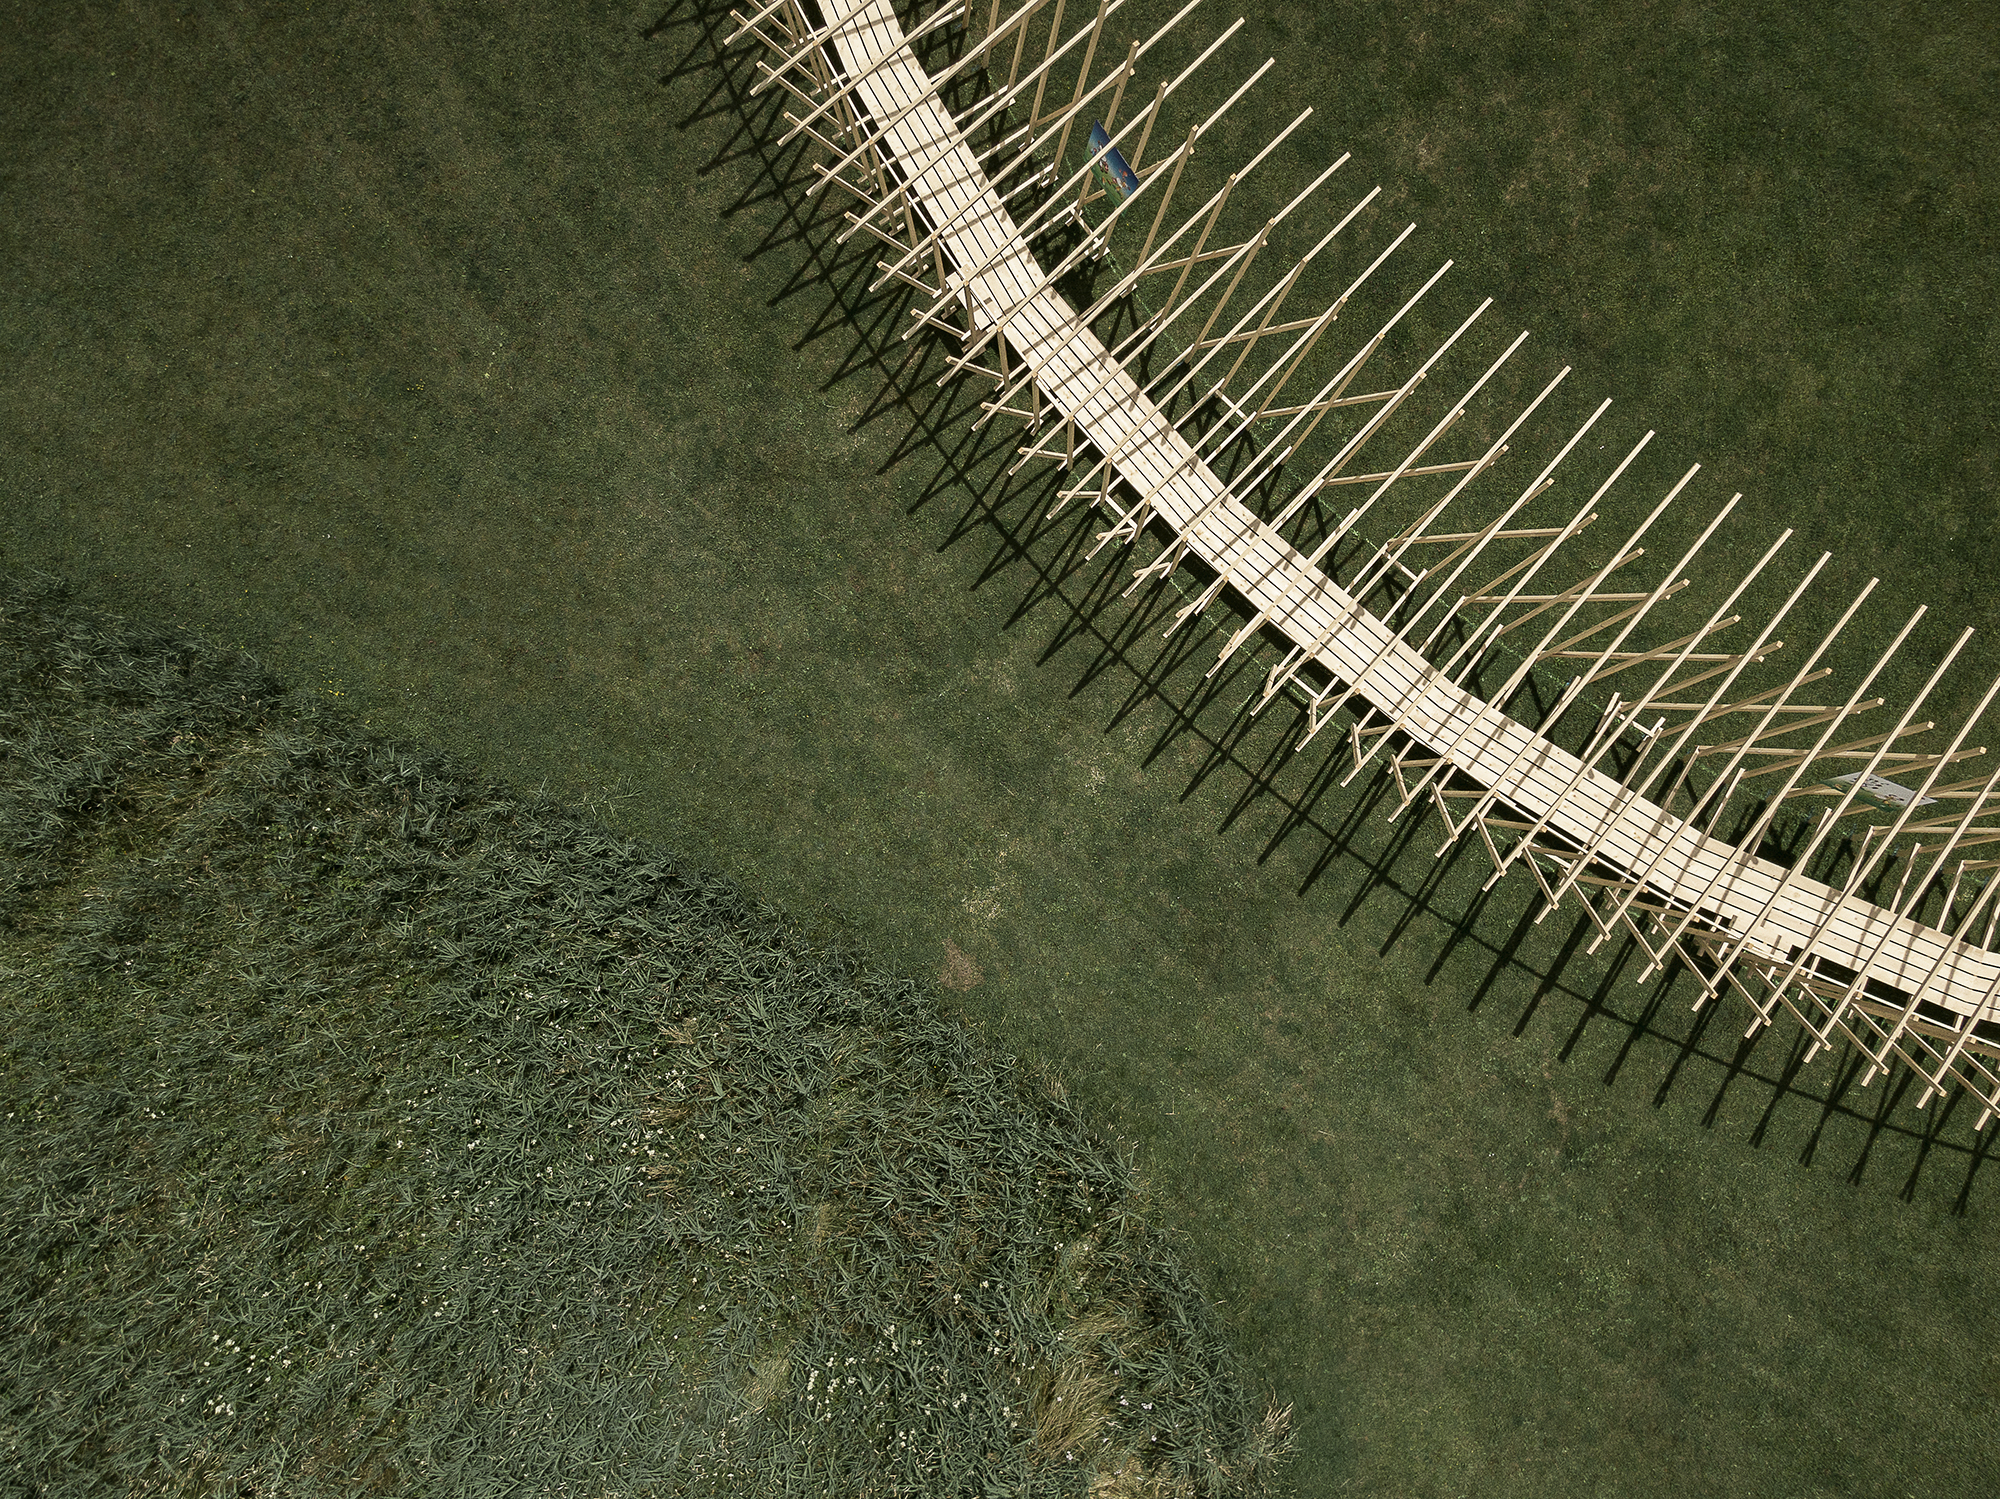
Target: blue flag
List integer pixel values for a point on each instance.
(1111, 169)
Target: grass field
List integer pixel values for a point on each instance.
(368, 1124)
(475, 368)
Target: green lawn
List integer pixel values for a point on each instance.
(367, 1123)
(472, 367)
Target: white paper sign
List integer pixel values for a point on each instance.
(1883, 793)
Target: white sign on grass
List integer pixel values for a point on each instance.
(1883, 793)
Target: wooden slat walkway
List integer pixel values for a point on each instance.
(1071, 367)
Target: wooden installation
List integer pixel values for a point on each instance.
(1436, 643)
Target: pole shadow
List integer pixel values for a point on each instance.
(1061, 571)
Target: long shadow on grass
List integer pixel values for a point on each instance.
(1422, 883)
(1051, 548)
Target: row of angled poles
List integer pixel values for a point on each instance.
(1702, 742)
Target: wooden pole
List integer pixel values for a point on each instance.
(1162, 399)
(1642, 789)
(986, 109)
(1043, 279)
(1632, 617)
(815, 41)
(1624, 554)
(1055, 200)
(892, 55)
(743, 27)
(1479, 639)
(1329, 396)
(1881, 1057)
(1608, 729)
(1160, 319)
(1251, 528)
(1390, 556)
(1288, 668)
(1068, 116)
(1055, 28)
(1111, 117)
(1752, 839)
(1865, 866)
(1311, 564)
(930, 95)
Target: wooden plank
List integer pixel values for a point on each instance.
(1771, 907)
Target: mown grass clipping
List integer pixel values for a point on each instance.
(370, 1127)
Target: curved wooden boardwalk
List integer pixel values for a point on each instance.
(1851, 970)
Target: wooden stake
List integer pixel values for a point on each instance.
(931, 95)
(981, 112)
(1049, 53)
(1068, 116)
(743, 27)
(1577, 597)
(1615, 723)
(991, 107)
(1161, 400)
(1400, 635)
(1641, 788)
(1057, 199)
(1870, 860)
(1751, 840)
(815, 41)
(1160, 320)
(894, 54)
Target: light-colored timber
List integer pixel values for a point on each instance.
(1847, 968)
